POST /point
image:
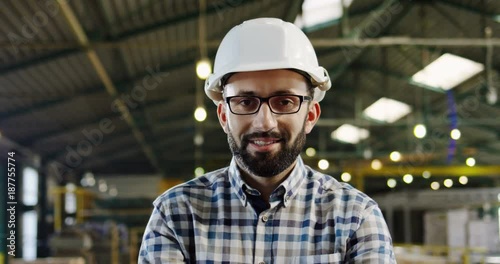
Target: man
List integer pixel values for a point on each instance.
(267, 206)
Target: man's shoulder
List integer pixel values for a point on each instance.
(197, 188)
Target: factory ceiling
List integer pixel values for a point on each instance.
(110, 86)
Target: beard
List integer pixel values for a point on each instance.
(267, 164)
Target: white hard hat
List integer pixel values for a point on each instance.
(266, 44)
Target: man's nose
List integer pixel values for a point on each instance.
(265, 119)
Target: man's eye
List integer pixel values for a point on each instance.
(245, 102)
(285, 102)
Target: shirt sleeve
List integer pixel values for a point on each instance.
(371, 242)
(159, 243)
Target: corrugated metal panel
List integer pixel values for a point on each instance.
(139, 58)
(60, 78)
(31, 22)
(127, 16)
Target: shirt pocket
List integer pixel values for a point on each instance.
(318, 259)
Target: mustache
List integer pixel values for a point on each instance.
(262, 135)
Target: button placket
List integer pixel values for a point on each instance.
(264, 218)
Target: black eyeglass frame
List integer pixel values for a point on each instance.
(302, 99)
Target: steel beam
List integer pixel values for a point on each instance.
(441, 171)
(318, 43)
(405, 41)
(460, 5)
(294, 8)
(365, 30)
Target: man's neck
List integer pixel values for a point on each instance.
(265, 185)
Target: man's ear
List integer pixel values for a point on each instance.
(314, 111)
(221, 114)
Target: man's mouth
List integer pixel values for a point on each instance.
(264, 142)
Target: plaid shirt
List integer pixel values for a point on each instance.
(312, 219)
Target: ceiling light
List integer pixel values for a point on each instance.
(448, 183)
(496, 18)
(200, 114)
(198, 139)
(408, 178)
(376, 164)
(103, 186)
(470, 162)
(113, 191)
(447, 71)
(391, 183)
(426, 174)
(199, 171)
(70, 187)
(88, 179)
(367, 153)
(463, 180)
(203, 68)
(350, 134)
(395, 156)
(455, 134)
(419, 131)
(435, 186)
(491, 96)
(346, 176)
(310, 152)
(387, 110)
(323, 164)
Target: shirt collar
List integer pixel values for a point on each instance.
(286, 190)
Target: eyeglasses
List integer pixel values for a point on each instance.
(278, 104)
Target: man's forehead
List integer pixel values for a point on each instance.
(260, 92)
(265, 75)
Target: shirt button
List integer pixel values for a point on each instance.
(264, 219)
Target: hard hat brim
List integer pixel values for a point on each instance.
(318, 77)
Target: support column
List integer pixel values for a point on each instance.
(43, 227)
(407, 224)
(389, 218)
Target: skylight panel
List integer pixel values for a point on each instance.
(317, 12)
(447, 71)
(387, 110)
(350, 134)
